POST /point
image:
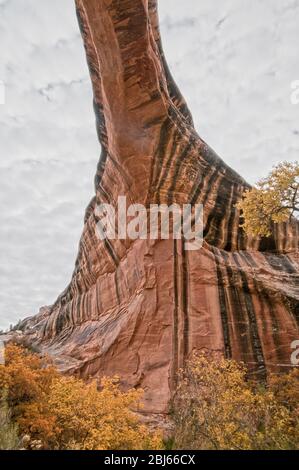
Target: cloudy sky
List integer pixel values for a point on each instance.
(234, 61)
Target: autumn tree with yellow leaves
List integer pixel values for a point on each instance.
(65, 413)
(217, 408)
(273, 200)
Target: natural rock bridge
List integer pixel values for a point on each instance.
(139, 308)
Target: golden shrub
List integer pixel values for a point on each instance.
(216, 408)
(66, 413)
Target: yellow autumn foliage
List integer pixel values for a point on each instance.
(217, 408)
(273, 200)
(66, 413)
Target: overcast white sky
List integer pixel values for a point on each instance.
(234, 61)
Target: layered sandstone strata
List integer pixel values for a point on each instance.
(139, 308)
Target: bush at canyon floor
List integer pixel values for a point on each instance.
(216, 407)
(57, 412)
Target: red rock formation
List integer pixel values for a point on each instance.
(139, 308)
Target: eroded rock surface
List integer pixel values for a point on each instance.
(139, 308)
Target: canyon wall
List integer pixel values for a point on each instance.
(139, 308)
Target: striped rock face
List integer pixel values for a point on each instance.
(139, 308)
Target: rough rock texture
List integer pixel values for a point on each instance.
(139, 308)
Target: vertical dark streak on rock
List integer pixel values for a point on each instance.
(223, 308)
(98, 299)
(253, 328)
(111, 252)
(185, 283)
(275, 324)
(214, 216)
(232, 217)
(158, 158)
(175, 340)
(168, 162)
(116, 286)
(236, 309)
(179, 161)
